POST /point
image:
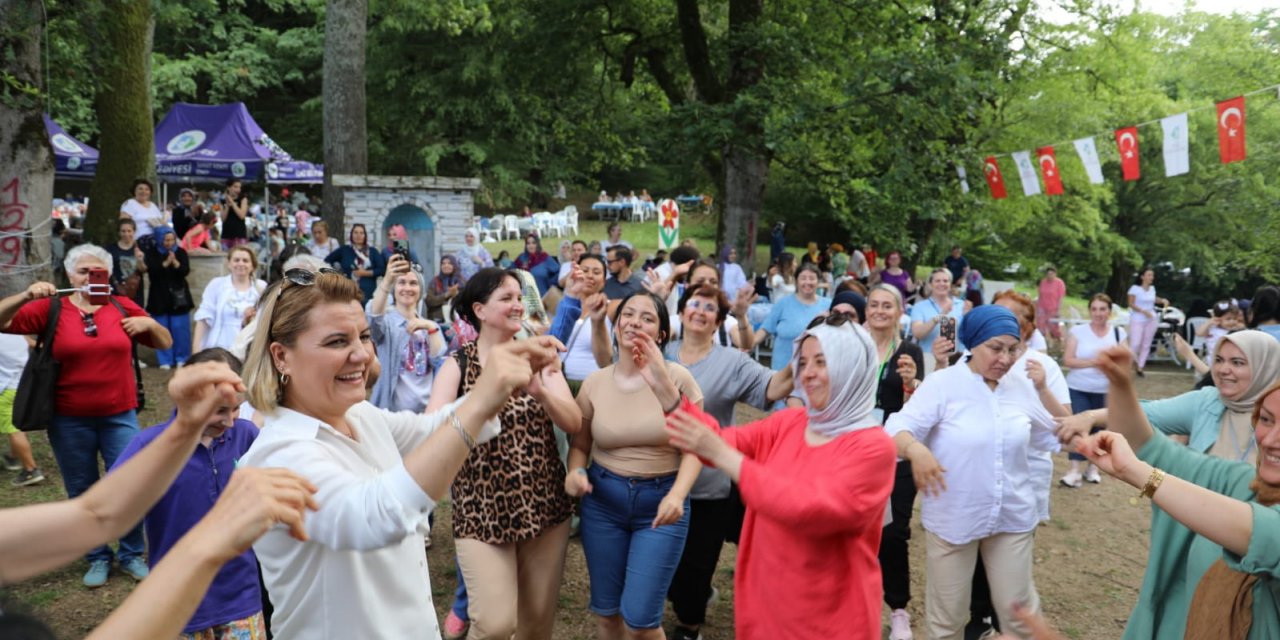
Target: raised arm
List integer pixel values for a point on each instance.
(1123, 413)
(40, 537)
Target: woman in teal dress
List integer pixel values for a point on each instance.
(1215, 526)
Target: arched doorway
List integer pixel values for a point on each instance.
(421, 230)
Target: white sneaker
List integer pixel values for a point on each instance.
(900, 625)
(1092, 475)
(164, 367)
(1073, 479)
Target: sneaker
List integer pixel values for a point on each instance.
(1092, 475)
(136, 568)
(97, 574)
(142, 365)
(11, 463)
(714, 597)
(26, 478)
(455, 628)
(685, 633)
(164, 367)
(1073, 479)
(900, 625)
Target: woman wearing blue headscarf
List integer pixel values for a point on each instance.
(967, 433)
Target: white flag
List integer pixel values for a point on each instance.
(1027, 172)
(1177, 149)
(964, 179)
(1089, 156)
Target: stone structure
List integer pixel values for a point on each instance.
(435, 211)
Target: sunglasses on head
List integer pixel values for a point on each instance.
(834, 318)
(307, 277)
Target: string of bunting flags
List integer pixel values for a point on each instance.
(1176, 151)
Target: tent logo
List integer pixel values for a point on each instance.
(63, 142)
(73, 163)
(185, 142)
(237, 169)
(273, 171)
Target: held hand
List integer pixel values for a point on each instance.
(538, 351)
(576, 287)
(538, 386)
(39, 290)
(137, 325)
(654, 284)
(200, 390)
(249, 314)
(670, 510)
(596, 306)
(421, 324)
(689, 434)
(927, 472)
(1035, 373)
(1072, 427)
(254, 501)
(746, 297)
(942, 348)
(1182, 347)
(907, 369)
(396, 267)
(453, 291)
(576, 483)
(1116, 363)
(1112, 453)
(648, 358)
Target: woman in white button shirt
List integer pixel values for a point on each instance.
(978, 490)
(362, 571)
(1142, 317)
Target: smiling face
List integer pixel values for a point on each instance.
(126, 233)
(221, 421)
(186, 198)
(706, 275)
(993, 358)
(615, 232)
(812, 374)
(469, 238)
(1232, 374)
(408, 291)
(240, 262)
(883, 312)
(1267, 435)
(894, 260)
(170, 241)
(142, 192)
(504, 310)
(329, 361)
(940, 284)
(579, 250)
(530, 245)
(638, 315)
(1099, 312)
(1148, 277)
(446, 267)
(701, 315)
(593, 273)
(233, 190)
(806, 283)
(358, 236)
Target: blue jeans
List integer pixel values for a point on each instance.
(459, 594)
(76, 443)
(179, 327)
(1085, 401)
(631, 564)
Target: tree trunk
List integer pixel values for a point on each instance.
(123, 107)
(745, 176)
(26, 158)
(346, 141)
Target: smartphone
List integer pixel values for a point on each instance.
(401, 247)
(947, 329)
(99, 288)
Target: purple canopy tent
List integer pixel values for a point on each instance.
(217, 142)
(72, 158)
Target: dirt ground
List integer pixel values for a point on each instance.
(1089, 558)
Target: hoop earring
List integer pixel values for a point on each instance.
(284, 381)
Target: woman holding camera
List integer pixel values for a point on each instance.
(95, 398)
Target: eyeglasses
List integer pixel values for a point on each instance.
(834, 318)
(1013, 352)
(703, 305)
(90, 328)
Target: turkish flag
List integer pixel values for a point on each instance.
(1049, 170)
(1231, 130)
(994, 180)
(1127, 142)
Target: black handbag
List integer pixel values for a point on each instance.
(137, 368)
(34, 403)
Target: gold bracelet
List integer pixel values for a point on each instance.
(1149, 490)
(457, 426)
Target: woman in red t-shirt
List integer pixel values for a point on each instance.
(815, 482)
(95, 400)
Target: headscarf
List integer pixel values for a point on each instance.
(159, 233)
(851, 358)
(441, 282)
(1263, 354)
(469, 251)
(724, 256)
(525, 260)
(987, 322)
(855, 300)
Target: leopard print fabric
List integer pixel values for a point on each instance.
(510, 488)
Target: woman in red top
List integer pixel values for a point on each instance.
(95, 400)
(815, 482)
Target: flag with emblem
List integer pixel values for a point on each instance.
(1049, 170)
(1127, 144)
(1231, 130)
(991, 170)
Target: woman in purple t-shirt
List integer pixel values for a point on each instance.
(893, 274)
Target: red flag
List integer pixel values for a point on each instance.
(992, 172)
(1231, 130)
(1127, 142)
(1049, 169)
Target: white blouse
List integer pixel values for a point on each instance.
(363, 572)
(981, 437)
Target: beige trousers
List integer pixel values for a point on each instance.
(949, 574)
(512, 589)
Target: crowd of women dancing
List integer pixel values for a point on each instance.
(317, 428)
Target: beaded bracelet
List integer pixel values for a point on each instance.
(457, 426)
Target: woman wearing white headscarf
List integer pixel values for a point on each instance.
(472, 257)
(815, 482)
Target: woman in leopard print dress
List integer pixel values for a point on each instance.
(511, 514)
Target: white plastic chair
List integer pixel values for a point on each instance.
(571, 218)
(557, 221)
(637, 212)
(490, 229)
(511, 225)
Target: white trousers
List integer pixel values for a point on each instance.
(949, 571)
